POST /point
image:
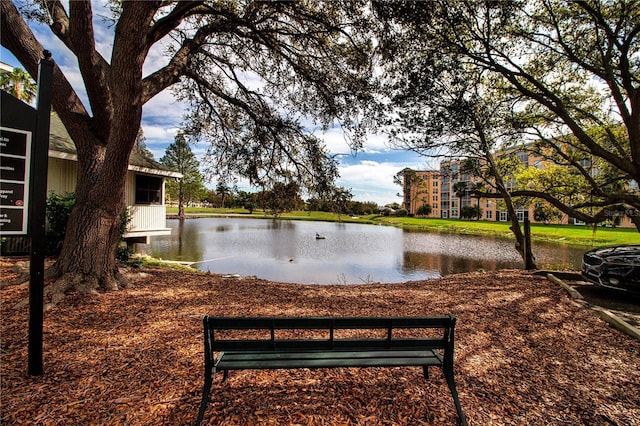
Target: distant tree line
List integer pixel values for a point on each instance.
(281, 197)
(276, 198)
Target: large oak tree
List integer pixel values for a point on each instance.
(308, 57)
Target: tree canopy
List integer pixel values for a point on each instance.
(253, 71)
(555, 71)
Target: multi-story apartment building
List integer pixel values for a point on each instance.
(420, 188)
(439, 188)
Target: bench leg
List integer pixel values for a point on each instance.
(208, 381)
(425, 371)
(448, 374)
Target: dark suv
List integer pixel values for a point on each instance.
(613, 267)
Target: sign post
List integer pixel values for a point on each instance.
(37, 218)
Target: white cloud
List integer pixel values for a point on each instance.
(158, 134)
(371, 181)
(337, 142)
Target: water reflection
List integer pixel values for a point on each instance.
(288, 251)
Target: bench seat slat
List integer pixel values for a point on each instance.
(240, 361)
(241, 356)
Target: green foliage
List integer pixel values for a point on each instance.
(470, 212)
(249, 207)
(58, 211)
(19, 84)
(423, 210)
(312, 61)
(190, 187)
(467, 77)
(545, 213)
(125, 220)
(124, 252)
(140, 146)
(363, 208)
(281, 198)
(335, 199)
(460, 188)
(402, 213)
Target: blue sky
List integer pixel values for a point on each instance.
(369, 173)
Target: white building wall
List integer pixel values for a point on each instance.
(61, 176)
(146, 220)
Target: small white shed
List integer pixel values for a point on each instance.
(144, 191)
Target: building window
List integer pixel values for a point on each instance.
(522, 215)
(434, 198)
(148, 189)
(504, 217)
(523, 157)
(489, 214)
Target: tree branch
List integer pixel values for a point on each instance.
(20, 41)
(93, 67)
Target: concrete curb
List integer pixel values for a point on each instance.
(606, 315)
(572, 291)
(619, 323)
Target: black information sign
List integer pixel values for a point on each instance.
(24, 145)
(15, 148)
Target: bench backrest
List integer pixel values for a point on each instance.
(280, 334)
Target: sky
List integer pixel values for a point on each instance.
(368, 173)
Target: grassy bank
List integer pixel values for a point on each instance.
(566, 234)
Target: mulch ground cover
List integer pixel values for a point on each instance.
(525, 355)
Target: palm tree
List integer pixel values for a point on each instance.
(461, 189)
(19, 84)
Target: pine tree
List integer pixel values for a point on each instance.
(179, 156)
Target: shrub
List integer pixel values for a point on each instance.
(424, 210)
(58, 211)
(469, 212)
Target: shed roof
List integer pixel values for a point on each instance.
(61, 146)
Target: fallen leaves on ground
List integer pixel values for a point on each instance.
(525, 354)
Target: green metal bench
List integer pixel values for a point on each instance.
(326, 342)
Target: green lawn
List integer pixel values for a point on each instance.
(567, 234)
(570, 234)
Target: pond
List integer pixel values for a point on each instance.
(288, 251)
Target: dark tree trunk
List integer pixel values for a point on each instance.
(521, 245)
(87, 261)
